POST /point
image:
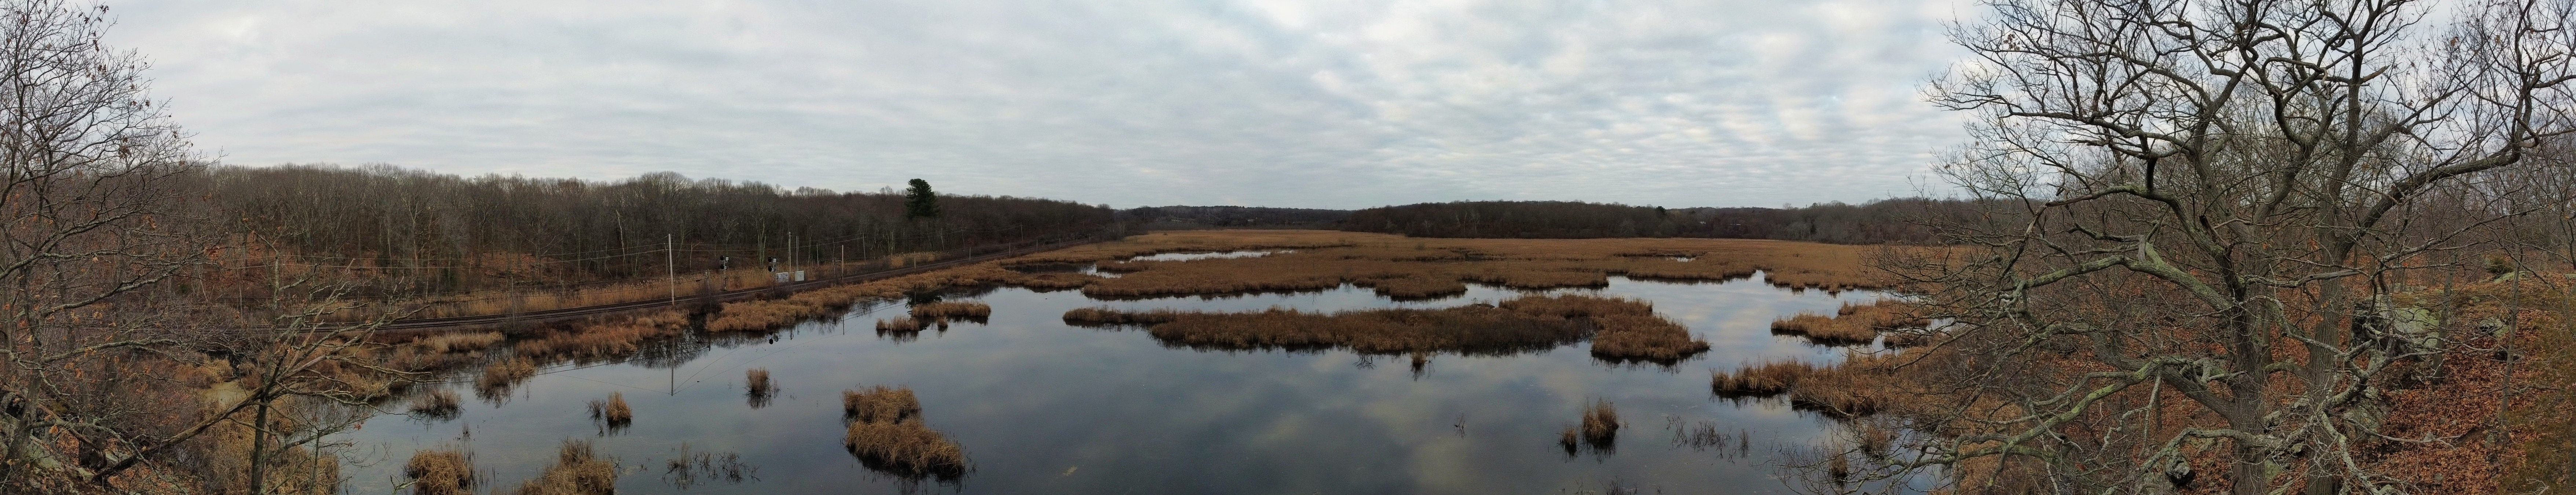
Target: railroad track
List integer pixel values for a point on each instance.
(560, 314)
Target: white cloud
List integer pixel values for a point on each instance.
(1317, 104)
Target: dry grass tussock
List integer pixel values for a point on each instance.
(950, 309)
(442, 471)
(578, 470)
(436, 403)
(887, 434)
(1598, 430)
(1397, 266)
(768, 314)
(1862, 384)
(500, 376)
(879, 404)
(1520, 325)
(1766, 379)
(612, 411)
(1853, 324)
(605, 337)
(756, 380)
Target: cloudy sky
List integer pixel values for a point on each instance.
(1326, 103)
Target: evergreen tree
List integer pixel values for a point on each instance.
(919, 201)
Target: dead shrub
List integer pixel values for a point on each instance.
(447, 471)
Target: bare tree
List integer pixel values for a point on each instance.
(90, 170)
(2208, 205)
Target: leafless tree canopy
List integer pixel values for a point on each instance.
(2213, 203)
(94, 228)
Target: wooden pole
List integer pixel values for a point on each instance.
(671, 269)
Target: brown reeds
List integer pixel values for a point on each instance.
(879, 404)
(1600, 423)
(1093, 317)
(500, 376)
(951, 309)
(1623, 329)
(1766, 379)
(605, 337)
(1860, 385)
(1598, 429)
(905, 448)
(887, 434)
(578, 470)
(1403, 267)
(1853, 324)
(756, 380)
(898, 325)
(446, 471)
(436, 403)
(612, 411)
(458, 342)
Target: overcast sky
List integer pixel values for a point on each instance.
(1328, 104)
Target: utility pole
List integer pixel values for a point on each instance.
(671, 269)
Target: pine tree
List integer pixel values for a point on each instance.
(919, 201)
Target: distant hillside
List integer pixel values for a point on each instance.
(1878, 221)
(1233, 217)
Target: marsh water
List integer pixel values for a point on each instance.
(1044, 407)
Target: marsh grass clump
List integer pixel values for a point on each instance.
(1853, 324)
(446, 471)
(612, 411)
(756, 386)
(436, 403)
(1101, 317)
(497, 379)
(905, 448)
(1600, 424)
(1766, 379)
(898, 325)
(447, 343)
(969, 311)
(879, 404)
(1623, 329)
(887, 434)
(1860, 385)
(578, 470)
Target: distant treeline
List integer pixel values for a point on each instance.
(1890, 220)
(1234, 217)
(431, 231)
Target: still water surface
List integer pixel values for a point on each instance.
(1043, 407)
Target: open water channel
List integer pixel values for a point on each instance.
(1045, 407)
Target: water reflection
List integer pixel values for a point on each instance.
(1048, 408)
